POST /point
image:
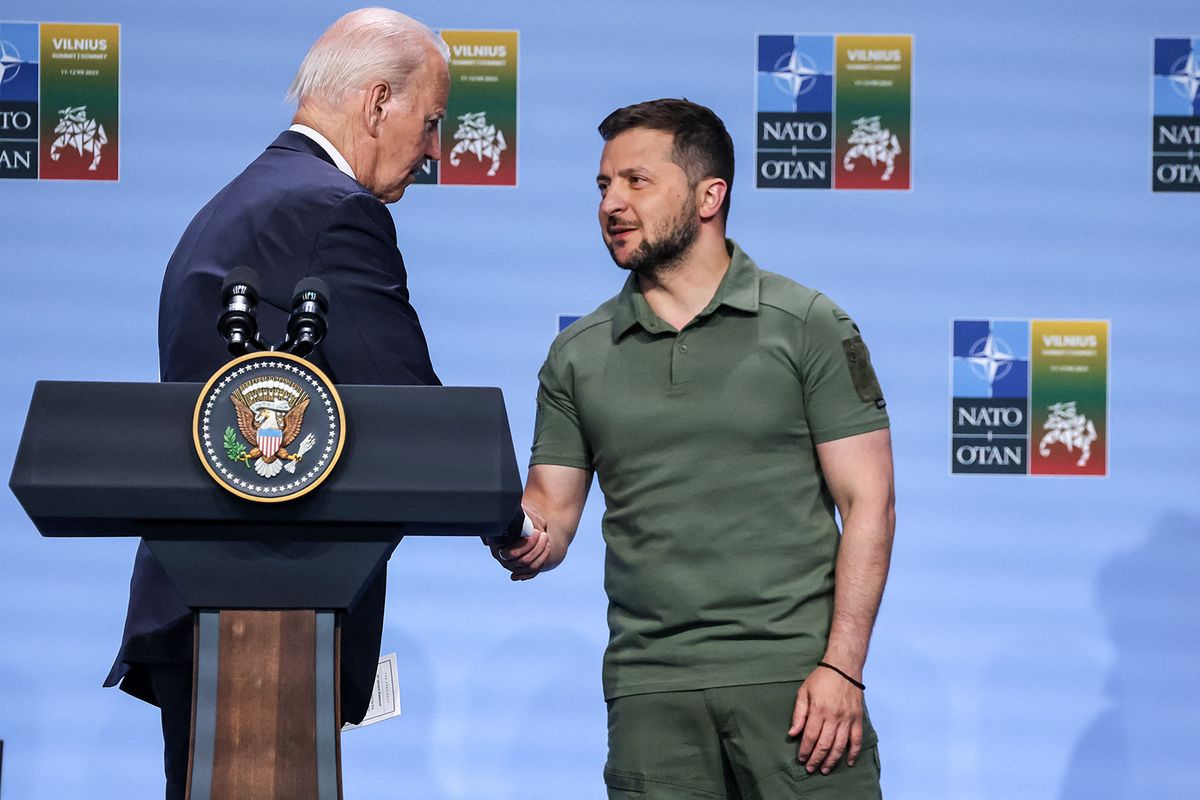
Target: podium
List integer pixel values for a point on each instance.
(266, 580)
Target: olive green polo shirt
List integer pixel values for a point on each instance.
(719, 528)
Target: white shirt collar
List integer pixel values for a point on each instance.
(325, 145)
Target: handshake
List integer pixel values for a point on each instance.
(529, 552)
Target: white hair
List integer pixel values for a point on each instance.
(364, 46)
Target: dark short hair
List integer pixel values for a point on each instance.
(703, 147)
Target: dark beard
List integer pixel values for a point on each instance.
(653, 259)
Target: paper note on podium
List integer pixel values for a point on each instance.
(385, 697)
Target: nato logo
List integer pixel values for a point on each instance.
(795, 112)
(1176, 124)
(795, 73)
(18, 99)
(19, 62)
(990, 405)
(1177, 77)
(991, 358)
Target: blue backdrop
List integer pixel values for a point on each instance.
(1040, 637)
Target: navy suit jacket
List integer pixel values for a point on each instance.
(289, 215)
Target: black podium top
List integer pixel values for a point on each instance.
(117, 459)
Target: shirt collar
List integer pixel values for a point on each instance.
(338, 159)
(738, 289)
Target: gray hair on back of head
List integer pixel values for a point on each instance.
(363, 46)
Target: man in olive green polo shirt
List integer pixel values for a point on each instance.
(726, 411)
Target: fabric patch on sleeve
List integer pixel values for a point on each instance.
(858, 358)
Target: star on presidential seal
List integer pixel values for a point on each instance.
(269, 427)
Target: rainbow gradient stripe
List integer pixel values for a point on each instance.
(80, 70)
(479, 133)
(873, 91)
(1068, 397)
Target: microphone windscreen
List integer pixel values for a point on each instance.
(241, 275)
(316, 286)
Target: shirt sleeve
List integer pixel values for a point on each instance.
(842, 396)
(558, 436)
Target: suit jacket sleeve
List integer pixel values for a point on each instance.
(374, 336)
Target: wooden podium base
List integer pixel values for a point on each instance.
(265, 716)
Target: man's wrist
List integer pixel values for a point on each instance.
(849, 678)
(846, 656)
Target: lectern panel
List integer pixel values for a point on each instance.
(417, 460)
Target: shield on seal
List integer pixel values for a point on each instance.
(269, 440)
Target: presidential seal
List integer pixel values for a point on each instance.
(269, 427)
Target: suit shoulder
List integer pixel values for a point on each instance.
(297, 195)
(305, 173)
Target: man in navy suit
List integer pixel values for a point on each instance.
(371, 93)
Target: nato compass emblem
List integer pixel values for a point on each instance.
(796, 73)
(10, 62)
(269, 427)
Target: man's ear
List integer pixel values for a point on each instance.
(374, 108)
(710, 196)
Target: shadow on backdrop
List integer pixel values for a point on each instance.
(1143, 745)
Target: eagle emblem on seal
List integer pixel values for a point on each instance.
(270, 414)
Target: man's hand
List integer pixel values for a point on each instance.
(553, 500)
(524, 557)
(828, 717)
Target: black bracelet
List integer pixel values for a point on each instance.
(859, 684)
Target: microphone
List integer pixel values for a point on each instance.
(238, 324)
(306, 326)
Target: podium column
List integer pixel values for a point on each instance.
(266, 711)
